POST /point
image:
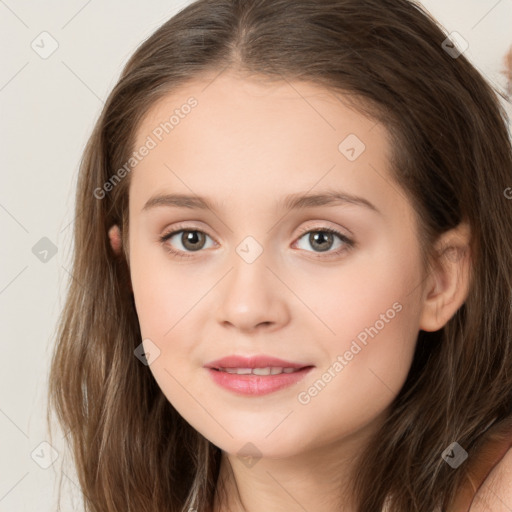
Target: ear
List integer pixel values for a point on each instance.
(116, 242)
(448, 284)
(114, 235)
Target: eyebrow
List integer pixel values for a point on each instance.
(289, 202)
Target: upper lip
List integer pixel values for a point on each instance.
(256, 361)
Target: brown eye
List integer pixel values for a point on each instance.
(183, 241)
(193, 240)
(323, 240)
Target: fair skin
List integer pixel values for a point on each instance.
(495, 494)
(247, 145)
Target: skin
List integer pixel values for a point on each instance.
(247, 144)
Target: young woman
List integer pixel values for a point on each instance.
(292, 270)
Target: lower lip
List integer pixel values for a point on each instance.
(256, 385)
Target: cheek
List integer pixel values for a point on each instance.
(154, 295)
(163, 302)
(161, 296)
(375, 321)
(370, 318)
(170, 299)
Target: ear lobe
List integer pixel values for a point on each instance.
(448, 284)
(114, 235)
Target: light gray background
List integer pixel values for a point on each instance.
(48, 108)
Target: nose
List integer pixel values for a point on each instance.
(251, 297)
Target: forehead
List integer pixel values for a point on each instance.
(225, 132)
(273, 104)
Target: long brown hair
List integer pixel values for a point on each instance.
(452, 155)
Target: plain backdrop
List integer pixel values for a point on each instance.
(49, 104)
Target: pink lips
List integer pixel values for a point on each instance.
(255, 385)
(261, 361)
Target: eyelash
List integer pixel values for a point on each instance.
(349, 243)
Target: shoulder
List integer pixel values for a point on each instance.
(495, 493)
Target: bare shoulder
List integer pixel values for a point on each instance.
(495, 494)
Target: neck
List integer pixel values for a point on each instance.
(318, 478)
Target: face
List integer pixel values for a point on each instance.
(334, 285)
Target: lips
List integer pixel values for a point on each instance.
(256, 375)
(256, 361)
(255, 385)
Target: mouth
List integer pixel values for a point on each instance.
(269, 370)
(257, 364)
(251, 384)
(256, 375)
